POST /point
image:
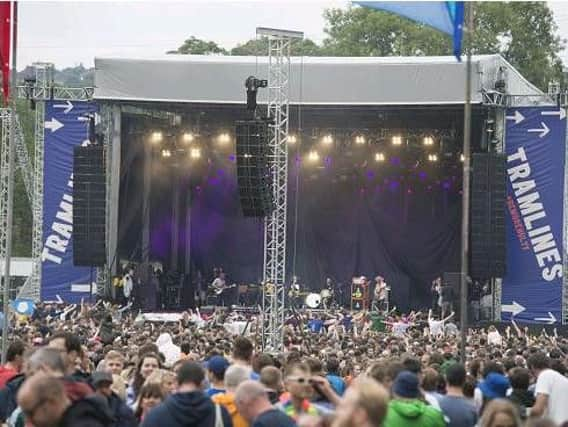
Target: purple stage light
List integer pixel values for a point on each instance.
(446, 185)
(395, 161)
(232, 157)
(370, 174)
(422, 175)
(393, 185)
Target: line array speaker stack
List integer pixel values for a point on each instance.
(89, 206)
(488, 250)
(253, 172)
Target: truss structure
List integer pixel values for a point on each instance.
(274, 269)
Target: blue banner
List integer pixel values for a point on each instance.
(536, 148)
(66, 126)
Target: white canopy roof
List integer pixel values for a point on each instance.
(313, 80)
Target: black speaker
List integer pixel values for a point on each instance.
(488, 192)
(253, 172)
(89, 206)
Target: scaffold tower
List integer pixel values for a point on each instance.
(274, 268)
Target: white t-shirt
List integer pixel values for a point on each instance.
(436, 327)
(494, 338)
(555, 386)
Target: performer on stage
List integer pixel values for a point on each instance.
(294, 293)
(328, 294)
(219, 286)
(380, 295)
(437, 295)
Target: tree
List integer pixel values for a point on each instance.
(195, 46)
(259, 47)
(524, 33)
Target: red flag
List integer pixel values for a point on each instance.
(6, 20)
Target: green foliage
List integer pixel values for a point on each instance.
(195, 46)
(259, 47)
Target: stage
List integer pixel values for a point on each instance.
(374, 172)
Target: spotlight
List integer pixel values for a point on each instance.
(462, 158)
(247, 155)
(156, 137)
(379, 157)
(166, 153)
(195, 153)
(327, 139)
(432, 157)
(292, 139)
(428, 141)
(397, 140)
(187, 137)
(224, 138)
(359, 140)
(313, 156)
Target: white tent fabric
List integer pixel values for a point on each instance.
(313, 80)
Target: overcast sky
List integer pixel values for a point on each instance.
(69, 33)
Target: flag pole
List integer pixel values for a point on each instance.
(466, 185)
(11, 161)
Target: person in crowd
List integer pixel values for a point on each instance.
(234, 376)
(520, 394)
(271, 379)
(337, 383)
(114, 362)
(171, 352)
(44, 403)
(407, 408)
(122, 415)
(70, 346)
(190, 406)
(242, 355)
(150, 395)
(147, 364)
(165, 379)
(458, 410)
(299, 388)
(500, 413)
(14, 362)
(364, 405)
(551, 390)
(254, 405)
(216, 367)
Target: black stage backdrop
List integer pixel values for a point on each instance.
(405, 227)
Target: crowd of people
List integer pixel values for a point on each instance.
(102, 366)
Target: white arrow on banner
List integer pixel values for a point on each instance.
(68, 106)
(59, 300)
(84, 288)
(560, 113)
(543, 131)
(514, 308)
(53, 125)
(517, 117)
(550, 319)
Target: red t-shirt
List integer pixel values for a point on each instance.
(6, 374)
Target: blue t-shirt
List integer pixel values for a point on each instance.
(213, 391)
(273, 418)
(315, 325)
(458, 411)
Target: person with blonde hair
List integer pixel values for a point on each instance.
(363, 405)
(166, 379)
(500, 413)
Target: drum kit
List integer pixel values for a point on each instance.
(314, 300)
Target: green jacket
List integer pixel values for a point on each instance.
(411, 413)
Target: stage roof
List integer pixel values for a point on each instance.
(313, 80)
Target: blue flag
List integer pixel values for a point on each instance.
(445, 16)
(23, 306)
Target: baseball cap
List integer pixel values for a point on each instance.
(100, 377)
(218, 365)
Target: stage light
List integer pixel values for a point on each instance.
(247, 155)
(166, 153)
(397, 140)
(195, 153)
(462, 158)
(359, 140)
(313, 156)
(432, 157)
(428, 141)
(187, 137)
(292, 139)
(224, 138)
(156, 137)
(327, 139)
(379, 157)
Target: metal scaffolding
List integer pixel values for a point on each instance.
(274, 269)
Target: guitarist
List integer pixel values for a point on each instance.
(219, 286)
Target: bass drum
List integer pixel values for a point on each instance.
(313, 300)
